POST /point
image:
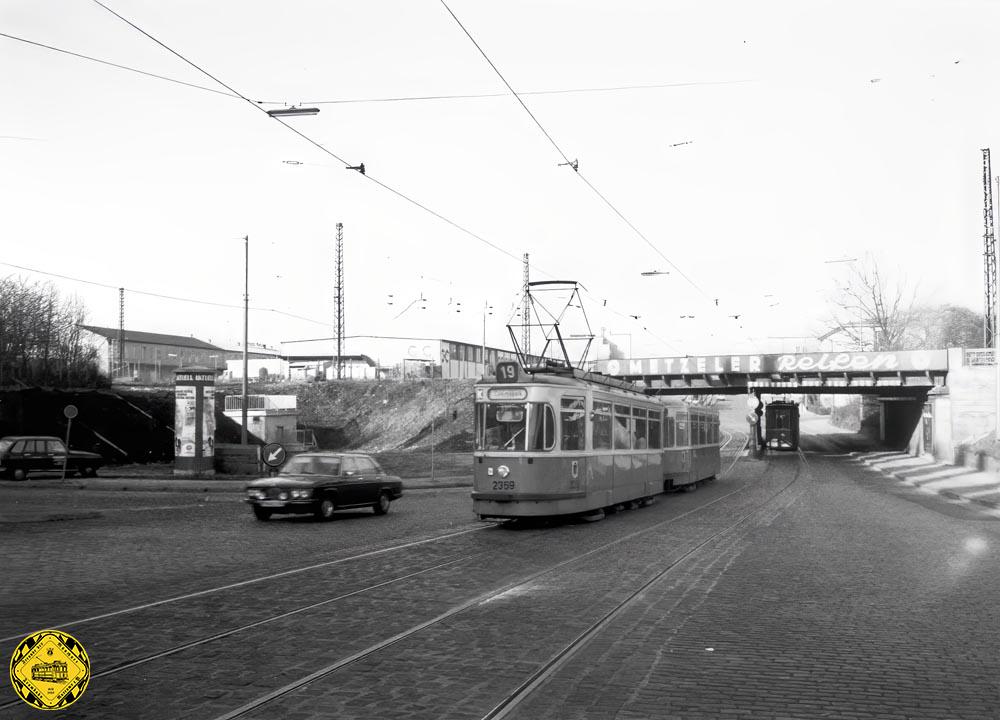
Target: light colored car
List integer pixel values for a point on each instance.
(322, 483)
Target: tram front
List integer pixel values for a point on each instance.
(521, 468)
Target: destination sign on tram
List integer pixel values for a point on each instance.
(507, 394)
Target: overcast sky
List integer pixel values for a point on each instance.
(768, 138)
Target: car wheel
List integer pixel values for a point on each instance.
(261, 514)
(324, 511)
(19, 474)
(382, 506)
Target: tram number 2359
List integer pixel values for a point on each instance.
(504, 485)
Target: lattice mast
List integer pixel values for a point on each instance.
(526, 311)
(339, 301)
(989, 256)
(121, 332)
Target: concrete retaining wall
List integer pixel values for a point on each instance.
(238, 459)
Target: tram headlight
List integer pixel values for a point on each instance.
(503, 471)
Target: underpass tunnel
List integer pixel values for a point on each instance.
(901, 422)
(864, 421)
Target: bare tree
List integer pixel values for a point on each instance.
(944, 326)
(873, 310)
(40, 342)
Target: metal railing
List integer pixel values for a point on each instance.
(261, 402)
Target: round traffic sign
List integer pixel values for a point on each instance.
(752, 401)
(70, 411)
(274, 454)
(752, 418)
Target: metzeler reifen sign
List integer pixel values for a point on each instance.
(833, 362)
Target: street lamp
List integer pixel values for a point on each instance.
(293, 111)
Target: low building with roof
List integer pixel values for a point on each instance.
(149, 357)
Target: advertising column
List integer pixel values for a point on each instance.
(194, 421)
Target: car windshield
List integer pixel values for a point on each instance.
(309, 465)
(5, 444)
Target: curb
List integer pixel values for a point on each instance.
(199, 485)
(931, 467)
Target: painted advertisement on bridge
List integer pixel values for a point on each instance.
(786, 364)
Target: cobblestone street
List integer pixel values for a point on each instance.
(794, 587)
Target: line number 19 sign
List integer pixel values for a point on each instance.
(507, 372)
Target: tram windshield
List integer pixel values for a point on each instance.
(514, 427)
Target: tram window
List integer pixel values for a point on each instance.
(639, 421)
(510, 414)
(601, 427)
(500, 427)
(623, 428)
(671, 437)
(541, 427)
(574, 423)
(655, 439)
(682, 431)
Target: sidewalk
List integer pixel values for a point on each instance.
(160, 478)
(39, 508)
(928, 475)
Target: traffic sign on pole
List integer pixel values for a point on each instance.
(70, 412)
(274, 455)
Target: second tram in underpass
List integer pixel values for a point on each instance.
(555, 440)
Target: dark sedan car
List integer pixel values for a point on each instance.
(323, 482)
(23, 454)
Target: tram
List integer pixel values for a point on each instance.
(53, 672)
(781, 425)
(556, 440)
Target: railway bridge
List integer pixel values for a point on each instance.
(926, 400)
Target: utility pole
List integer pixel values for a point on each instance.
(486, 311)
(989, 256)
(526, 313)
(246, 317)
(339, 300)
(996, 343)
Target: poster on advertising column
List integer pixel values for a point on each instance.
(185, 421)
(208, 421)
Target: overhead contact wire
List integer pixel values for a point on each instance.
(329, 152)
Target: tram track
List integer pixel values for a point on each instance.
(251, 581)
(555, 662)
(561, 658)
(374, 648)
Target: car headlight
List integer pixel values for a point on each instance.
(301, 493)
(283, 496)
(258, 494)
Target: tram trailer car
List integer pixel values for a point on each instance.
(781, 425)
(563, 442)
